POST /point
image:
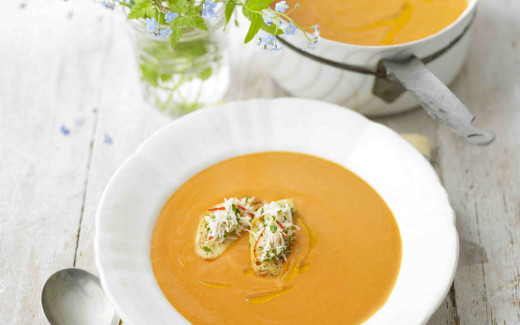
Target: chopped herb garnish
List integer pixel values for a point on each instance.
(273, 228)
(235, 209)
(207, 249)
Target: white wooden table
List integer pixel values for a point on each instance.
(63, 61)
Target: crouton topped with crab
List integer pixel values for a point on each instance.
(271, 236)
(221, 225)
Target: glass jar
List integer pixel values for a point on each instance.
(193, 74)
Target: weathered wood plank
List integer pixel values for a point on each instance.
(45, 83)
(127, 120)
(483, 182)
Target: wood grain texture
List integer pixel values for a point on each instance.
(483, 182)
(74, 60)
(45, 83)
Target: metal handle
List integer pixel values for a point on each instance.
(437, 99)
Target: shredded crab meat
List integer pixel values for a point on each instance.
(229, 219)
(277, 220)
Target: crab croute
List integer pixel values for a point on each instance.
(221, 225)
(271, 236)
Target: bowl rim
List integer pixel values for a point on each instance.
(428, 312)
(348, 46)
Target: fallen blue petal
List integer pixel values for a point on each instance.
(79, 122)
(108, 139)
(64, 130)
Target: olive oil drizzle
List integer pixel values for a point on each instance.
(304, 264)
(180, 256)
(262, 297)
(214, 284)
(292, 267)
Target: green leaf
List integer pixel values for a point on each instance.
(258, 4)
(271, 29)
(150, 74)
(180, 7)
(176, 34)
(256, 22)
(166, 76)
(263, 26)
(192, 20)
(192, 49)
(230, 7)
(142, 9)
(207, 249)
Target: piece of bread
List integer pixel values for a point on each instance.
(271, 267)
(211, 249)
(206, 248)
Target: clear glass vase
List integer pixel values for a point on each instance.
(180, 79)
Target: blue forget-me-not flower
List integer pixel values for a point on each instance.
(270, 43)
(313, 43)
(110, 4)
(290, 29)
(164, 33)
(269, 40)
(152, 24)
(268, 18)
(170, 16)
(258, 39)
(281, 6)
(208, 10)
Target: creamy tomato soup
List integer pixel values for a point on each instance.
(345, 257)
(377, 22)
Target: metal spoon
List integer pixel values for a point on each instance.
(75, 297)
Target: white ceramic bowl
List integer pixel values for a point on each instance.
(405, 180)
(305, 77)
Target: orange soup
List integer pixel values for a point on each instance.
(377, 22)
(344, 261)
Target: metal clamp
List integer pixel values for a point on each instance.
(437, 99)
